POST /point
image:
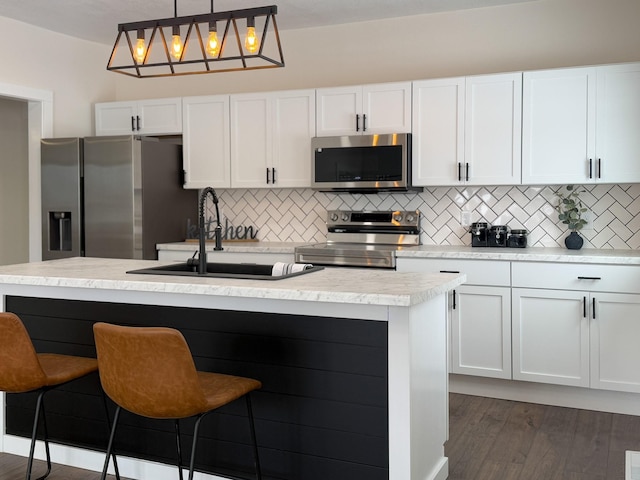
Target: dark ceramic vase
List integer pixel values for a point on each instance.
(574, 241)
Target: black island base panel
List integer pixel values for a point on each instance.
(322, 412)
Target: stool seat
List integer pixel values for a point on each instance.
(23, 370)
(150, 371)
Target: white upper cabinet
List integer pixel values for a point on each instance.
(363, 110)
(438, 126)
(580, 125)
(467, 130)
(492, 144)
(144, 117)
(618, 123)
(271, 139)
(206, 142)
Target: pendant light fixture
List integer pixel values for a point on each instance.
(176, 46)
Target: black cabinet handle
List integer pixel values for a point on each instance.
(467, 171)
(273, 175)
(589, 278)
(590, 168)
(357, 123)
(459, 172)
(454, 300)
(599, 168)
(267, 176)
(593, 307)
(364, 123)
(448, 271)
(133, 123)
(584, 307)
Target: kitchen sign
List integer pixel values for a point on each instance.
(229, 232)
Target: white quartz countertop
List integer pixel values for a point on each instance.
(530, 254)
(338, 285)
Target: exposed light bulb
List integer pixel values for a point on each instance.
(251, 42)
(176, 43)
(213, 45)
(141, 49)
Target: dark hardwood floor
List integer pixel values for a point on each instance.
(492, 439)
(13, 467)
(502, 440)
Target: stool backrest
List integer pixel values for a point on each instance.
(148, 371)
(20, 370)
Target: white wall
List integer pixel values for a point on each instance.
(526, 36)
(73, 70)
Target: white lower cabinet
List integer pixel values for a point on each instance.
(481, 331)
(550, 336)
(615, 334)
(569, 328)
(479, 314)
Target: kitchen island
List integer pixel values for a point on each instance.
(353, 366)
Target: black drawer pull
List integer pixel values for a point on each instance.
(448, 271)
(589, 278)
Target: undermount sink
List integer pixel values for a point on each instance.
(223, 270)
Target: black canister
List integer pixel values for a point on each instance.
(517, 239)
(497, 236)
(479, 232)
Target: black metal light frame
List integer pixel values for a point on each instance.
(244, 61)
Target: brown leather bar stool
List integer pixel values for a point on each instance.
(23, 370)
(150, 371)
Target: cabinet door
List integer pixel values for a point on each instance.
(550, 336)
(481, 331)
(206, 142)
(160, 116)
(386, 108)
(293, 125)
(338, 111)
(615, 330)
(116, 118)
(558, 126)
(618, 123)
(251, 149)
(493, 129)
(146, 117)
(438, 131)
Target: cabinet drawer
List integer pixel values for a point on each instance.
(567, 276)
(479, 272)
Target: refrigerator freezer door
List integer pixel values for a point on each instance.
(61, 171)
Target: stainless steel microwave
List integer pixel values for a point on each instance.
(362, 163)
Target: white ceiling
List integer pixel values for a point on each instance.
(97, 20)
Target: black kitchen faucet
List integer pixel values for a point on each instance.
(202, 254)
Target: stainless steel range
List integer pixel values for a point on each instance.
(363, 239)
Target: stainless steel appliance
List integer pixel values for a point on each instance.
(363, 239)
(112, 197)
(362, 163)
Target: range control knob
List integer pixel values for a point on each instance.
(333, 217)
(411, 217)
(397, 217)
(345, 217)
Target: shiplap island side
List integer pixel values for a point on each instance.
(352, 361)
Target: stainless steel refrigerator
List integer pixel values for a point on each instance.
(113, 197)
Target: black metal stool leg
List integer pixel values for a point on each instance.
(110, 446)
(253, 437)
(113, 453)
(39, 413)
(194, 445)
(179, 447)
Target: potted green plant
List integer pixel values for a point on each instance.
(570, 211)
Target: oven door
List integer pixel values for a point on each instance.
(346, 256)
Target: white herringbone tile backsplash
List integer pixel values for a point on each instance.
(298, 215)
